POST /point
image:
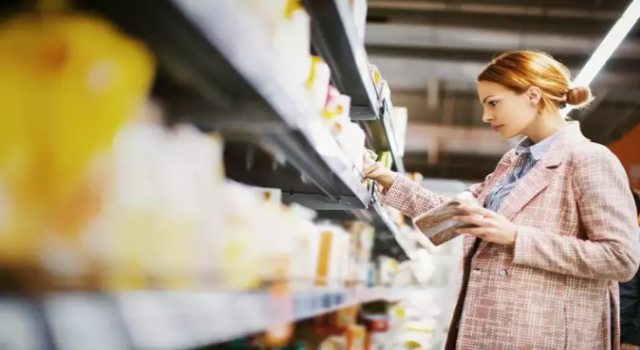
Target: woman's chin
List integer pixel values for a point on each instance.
(506, 136)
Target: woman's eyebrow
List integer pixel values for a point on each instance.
(485, 99)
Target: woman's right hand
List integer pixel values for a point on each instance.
(380, 174)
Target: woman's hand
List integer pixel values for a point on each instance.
(491, 226)
(629, 347)
(380, 174)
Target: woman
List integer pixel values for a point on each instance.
(558, 226)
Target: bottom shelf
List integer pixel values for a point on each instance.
(162, 320)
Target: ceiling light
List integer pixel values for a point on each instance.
(608, 45)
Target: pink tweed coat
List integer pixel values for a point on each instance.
(577, 235)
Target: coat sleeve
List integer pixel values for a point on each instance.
(410, 198)
(413, 200)
(607, 214)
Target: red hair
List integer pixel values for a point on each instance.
(520, 70)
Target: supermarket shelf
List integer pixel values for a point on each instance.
(402, 241)
(335, 39)
(162, 320)
(231, 83)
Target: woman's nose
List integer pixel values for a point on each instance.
(486, 117)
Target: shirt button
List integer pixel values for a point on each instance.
(477, 271)
(503, 273)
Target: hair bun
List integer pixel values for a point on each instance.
(579, 96)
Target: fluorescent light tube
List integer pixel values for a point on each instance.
(608, 45)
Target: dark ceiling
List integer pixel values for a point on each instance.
(431, 51)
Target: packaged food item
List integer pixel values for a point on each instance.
(376, 77)
(361, 245)
(304, 257)
(369, 159)
(356, 337)
(384, 97)
(279, 333)
(57, 70)
(336, 111)
(385, 159)
(352, 141)
(399, 119)
(377, 332)
(291, 42)
(334, 343)
(333, 252)
(387, 269)
(438, 223)
(318, 82)
(273, 195)
(346, 317)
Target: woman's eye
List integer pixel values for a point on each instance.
(493, 103)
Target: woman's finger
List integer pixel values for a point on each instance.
(481, 232)
(477, 220)
(478, 210)
(370, 170)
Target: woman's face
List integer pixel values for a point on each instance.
(509, 113)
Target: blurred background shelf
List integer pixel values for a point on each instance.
(154, 320)
(206, 77)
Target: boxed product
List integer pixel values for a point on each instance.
(399, 118)
(334, 343)
(376, 77)
(291, 42)
(352, 141)
(332, 257)
(438, 224)
(318, 82)
(273, 195)
(356, 337)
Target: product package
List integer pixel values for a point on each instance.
(438, 224)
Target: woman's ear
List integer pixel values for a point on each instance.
(534, 94)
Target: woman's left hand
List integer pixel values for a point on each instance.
(491, 226)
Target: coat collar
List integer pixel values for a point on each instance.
(543, 172)
(566, 137)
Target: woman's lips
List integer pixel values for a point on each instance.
(496, 127)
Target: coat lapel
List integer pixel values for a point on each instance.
(541, 175)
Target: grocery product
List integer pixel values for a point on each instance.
(399, 119)
(269, 194)
(346, 317)
(332, 263)
(57, 70)
(352, 140)
(356, 337)
(334, 343)
(361, 244)
(385, 159)
(317, 84)
(291, 42)
(336, 111)
(376, 77)
(438, 224)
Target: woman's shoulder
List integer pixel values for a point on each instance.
(590, 153)
(594, 165)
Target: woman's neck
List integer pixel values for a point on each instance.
(545, 125)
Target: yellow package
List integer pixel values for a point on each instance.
(68, 84)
